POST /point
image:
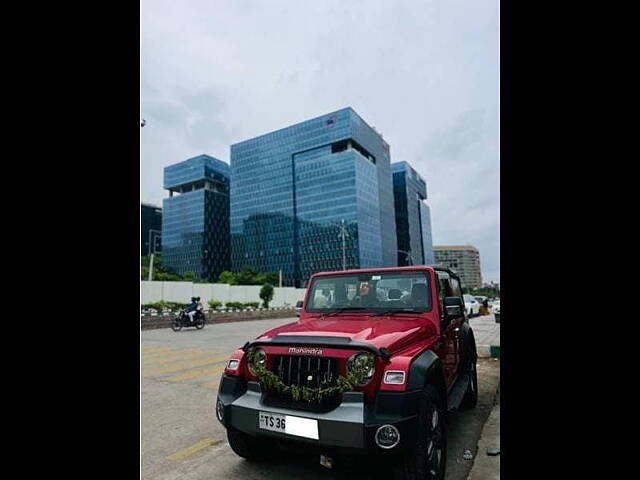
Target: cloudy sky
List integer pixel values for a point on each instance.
(425, 73)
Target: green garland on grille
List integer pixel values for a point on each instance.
(271, 381)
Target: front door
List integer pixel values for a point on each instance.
(450, 330)
(456, 323)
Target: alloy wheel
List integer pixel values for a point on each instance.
(434, 448)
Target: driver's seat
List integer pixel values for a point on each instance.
(419, 295)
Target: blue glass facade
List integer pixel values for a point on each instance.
(292, 189)
(151, 219)
(413, 216)
(195, 221)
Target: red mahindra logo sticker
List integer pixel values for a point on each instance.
(305, 351)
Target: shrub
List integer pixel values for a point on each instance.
(234, 305)
(252, 304)
(159, 306)
(164, 305)
(213, 304)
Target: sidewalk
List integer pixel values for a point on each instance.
(487, 467)
(487, 333)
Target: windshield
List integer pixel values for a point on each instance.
(371, 292)
(469, 298)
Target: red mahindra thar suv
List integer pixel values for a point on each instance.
(372, 366)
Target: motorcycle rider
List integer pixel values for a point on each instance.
(192, 309)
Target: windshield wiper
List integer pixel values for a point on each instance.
(396, 310)
(344, 309)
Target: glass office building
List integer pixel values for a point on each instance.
(294, 191)
(195, 223)
(413, 216)
(151, 225)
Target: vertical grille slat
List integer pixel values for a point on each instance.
(298, 368)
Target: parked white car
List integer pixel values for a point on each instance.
(495, 308)
(471, 305)
(480, 299)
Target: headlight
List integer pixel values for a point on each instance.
(362, 360)
(259, 358)
(233, 364)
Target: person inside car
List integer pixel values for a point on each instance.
(366, 297)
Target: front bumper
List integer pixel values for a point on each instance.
(349, 428)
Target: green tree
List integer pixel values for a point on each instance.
(160, 271)
(189, 276)
(247, 276)
(272, 278)
(266, 294)
(227, 277)
(167, 277)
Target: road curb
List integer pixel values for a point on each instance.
(488, 351)
(486, 467)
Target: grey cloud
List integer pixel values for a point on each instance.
(424, 72)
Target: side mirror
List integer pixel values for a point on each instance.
(453, 307)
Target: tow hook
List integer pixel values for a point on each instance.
(326, 461)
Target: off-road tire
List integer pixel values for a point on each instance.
(414, 462)
(470, 398)
(249, 447)
(470, 360)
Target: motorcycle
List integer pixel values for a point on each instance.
(184, 320)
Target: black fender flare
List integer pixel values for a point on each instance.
(469, 341)
(427, 369)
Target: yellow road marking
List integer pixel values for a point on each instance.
(197, 374)
(172, 357)
(195, 448)
(155, 349)
(186, 365)
(159, 353)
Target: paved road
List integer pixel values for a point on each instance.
(181, 439)
(487, 333)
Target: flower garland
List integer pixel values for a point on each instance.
(271, 381)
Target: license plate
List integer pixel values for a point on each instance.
(290, 425)
(273, 422)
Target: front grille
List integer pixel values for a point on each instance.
(312, 372)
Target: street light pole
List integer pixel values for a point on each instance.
(343, 234)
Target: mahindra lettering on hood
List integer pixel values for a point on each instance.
(371, 366)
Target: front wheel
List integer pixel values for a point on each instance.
(176, 325)
(200, 323)
(470, 398)
(249, 447)
(427, 458)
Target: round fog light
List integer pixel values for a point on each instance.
(219, 410)
(387, 436)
